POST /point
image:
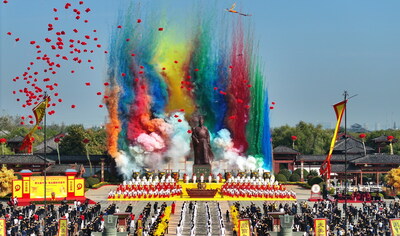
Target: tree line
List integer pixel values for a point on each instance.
(306, 137)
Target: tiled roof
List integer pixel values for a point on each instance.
(23, 159)
(62, 168)
(16, 139)
(353, 145)
(78, 159)
(340, 168)
(284, 150)
(383, 139)
(378, 158)
(321, 158)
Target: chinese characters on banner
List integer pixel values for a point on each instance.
(3, 227)
(395, 227)
(320, 227)
(244, 227)
(62, 227)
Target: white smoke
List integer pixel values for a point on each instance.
(153, 152)
(179, 144)
(125, 165)
(224, 150)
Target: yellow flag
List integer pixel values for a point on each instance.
(40, 110)
(339, 110)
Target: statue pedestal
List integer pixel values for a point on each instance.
(199, 169)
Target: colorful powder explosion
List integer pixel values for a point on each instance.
(159, 78)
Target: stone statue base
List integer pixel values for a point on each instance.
(199, 169)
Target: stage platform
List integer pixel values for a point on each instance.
(186, 197)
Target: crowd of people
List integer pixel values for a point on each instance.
(369, 219)
(146, 188)
(32, 220)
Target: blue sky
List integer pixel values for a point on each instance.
(312, 51)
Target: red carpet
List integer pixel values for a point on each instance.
(26, 202)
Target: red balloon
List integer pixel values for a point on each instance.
(390, 138)
(294, 137)
(362, 135)
(123, 74)
(271, 108)
(189, 131)
(139, 20)
(160, 29)
(73, 106)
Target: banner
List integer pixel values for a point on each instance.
(62, 227)
(320, 227)
(79, 187)
(244, 227)
(3, 230)
(17, 188)
(395, 227)
(339, 111)
(54, 184)
(40, 110)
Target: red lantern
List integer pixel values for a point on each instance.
(390, 138)
(86, 141)
(362, 136)
(3, 140)
(294, 138)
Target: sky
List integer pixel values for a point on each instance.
(311, 52)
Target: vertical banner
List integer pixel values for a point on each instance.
(244, 227)
(62, 227)
(17, 188)
(3, 230)
(79, 187)
(320, 227)
(395, 227)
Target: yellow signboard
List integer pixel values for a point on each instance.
(3, 231)
(17, 188)
(395, 227)
(320, 227)
(54, 184)
(62, 227)
(79, 187)
(244, 228)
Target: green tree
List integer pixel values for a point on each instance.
(311, 139)
(72, 143)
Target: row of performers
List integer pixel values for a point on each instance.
(148, 186)
(132, 194)
(257, 193)
(254, 186)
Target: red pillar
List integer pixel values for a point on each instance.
(70, 173)
(26, 180)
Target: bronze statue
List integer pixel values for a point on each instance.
(201, 143)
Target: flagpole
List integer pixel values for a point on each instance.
(345, 161)
(45, 145)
